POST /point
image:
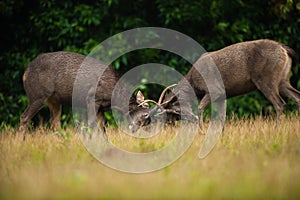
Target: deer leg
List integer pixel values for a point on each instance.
(93, 114)
(222, 112)
(288, 91)
(272, 94)
(55, 114)
(29, 112)
(91, 111)
(101, 120)
(203, 104)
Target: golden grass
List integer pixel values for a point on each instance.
(254, 159)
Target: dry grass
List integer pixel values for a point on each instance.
(253, 159)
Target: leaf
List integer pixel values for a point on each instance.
(298, 6)
(222, 26)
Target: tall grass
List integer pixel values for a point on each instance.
(253, 159)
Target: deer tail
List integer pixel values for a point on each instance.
(292, 55)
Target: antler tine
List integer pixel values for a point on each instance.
(148, 100)
(166, 102)
(164, 92)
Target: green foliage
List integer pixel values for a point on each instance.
(33, 27)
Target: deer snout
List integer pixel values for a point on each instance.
(141, 120)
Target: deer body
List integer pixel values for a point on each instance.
(49, 79)
(263, 65)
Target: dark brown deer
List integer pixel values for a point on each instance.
(263, 65)
(49, 79)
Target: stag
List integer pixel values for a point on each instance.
(49, 79)
(263, 65)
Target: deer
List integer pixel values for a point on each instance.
(263, 65)
(49, 79)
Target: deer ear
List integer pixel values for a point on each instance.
(140, 99)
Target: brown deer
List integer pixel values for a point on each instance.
(263, 65)
(49, 79)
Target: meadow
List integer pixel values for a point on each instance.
(254, 159)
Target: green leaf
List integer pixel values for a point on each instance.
(298, 6)
(222, 26)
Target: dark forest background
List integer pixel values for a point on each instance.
(33, 27)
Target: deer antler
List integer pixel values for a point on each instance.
(160, 98)
(159, 103)
(164, 92)
(148, 100)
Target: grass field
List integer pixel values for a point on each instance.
(254, 159)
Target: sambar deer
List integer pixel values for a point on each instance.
(263, 65)
(49, 79)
